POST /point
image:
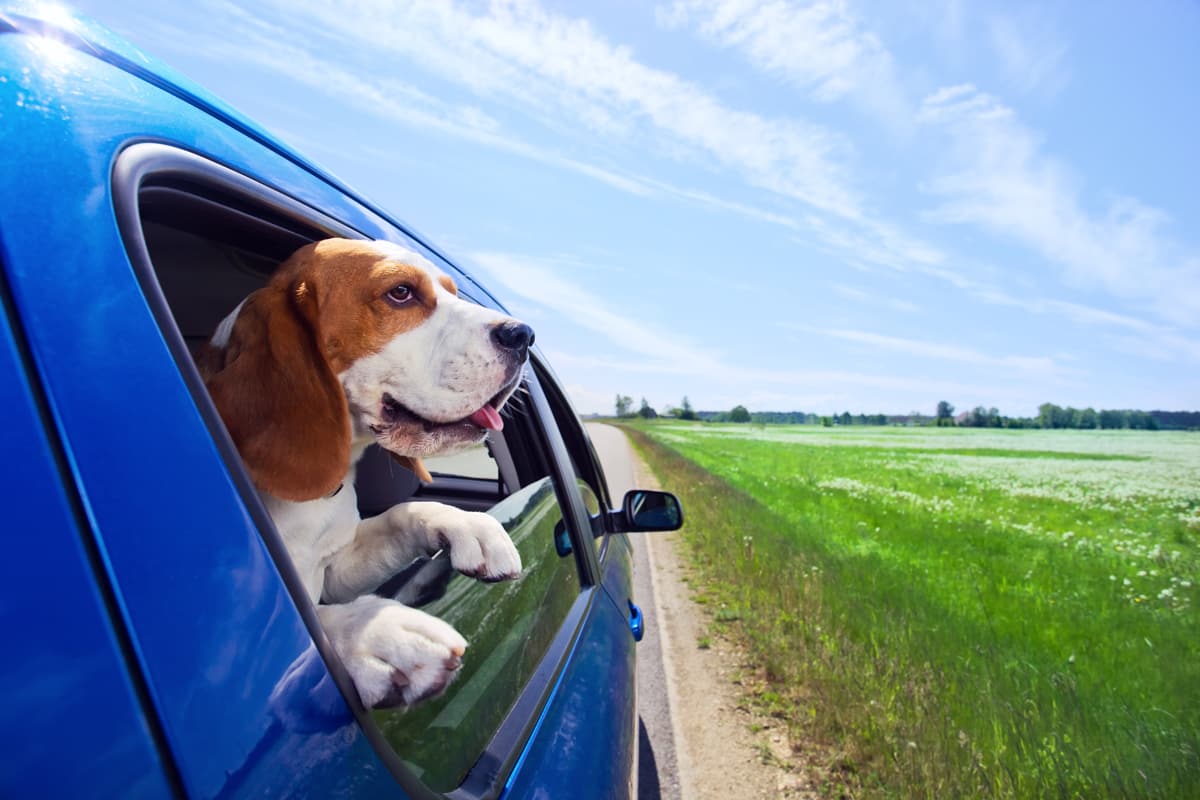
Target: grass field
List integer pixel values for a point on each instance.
(964, 613)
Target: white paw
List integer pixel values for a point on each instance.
(479, 546)
(395, 654)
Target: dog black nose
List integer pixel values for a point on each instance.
(513, 335)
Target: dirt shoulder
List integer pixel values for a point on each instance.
(725, 748)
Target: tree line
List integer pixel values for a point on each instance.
(1054, 417)
(1049, 416)
(684, 411)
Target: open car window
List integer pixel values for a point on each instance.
(211, 237)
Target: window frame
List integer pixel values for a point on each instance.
(148, 164)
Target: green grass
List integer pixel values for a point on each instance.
(963, 613)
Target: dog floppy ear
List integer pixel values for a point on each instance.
(415, 465)
(278, 396)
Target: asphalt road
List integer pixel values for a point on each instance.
(658, 773)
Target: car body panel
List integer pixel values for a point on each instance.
(230, 676)
(593, 705)
(63, 666)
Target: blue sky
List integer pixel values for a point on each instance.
(863, 206)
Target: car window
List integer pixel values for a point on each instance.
(509, 628)
(207, 252)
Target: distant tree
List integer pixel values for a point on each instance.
(1111, 420)
(1142, 421)
(624, 403)
(739, 414)
(1050, 416)
(1177, 420)
(975, 418)
(1088, 419)
(945, 413)
(827, 422)
(646, 412)
(845, 418)
(980, 417)
(685, 410)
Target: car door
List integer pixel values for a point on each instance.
(66, 663)
(244, 689)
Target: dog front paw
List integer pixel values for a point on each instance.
(395, 655)
(480, 547)
(478, 544)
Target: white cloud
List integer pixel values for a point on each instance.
(857, 295)
(819, 46)
(541, 283)
(554, 68)
(1030, 51)
(561, 70)
(996, 176)
(940, 351)
(877, 243)
(260, 44)
(645, 350)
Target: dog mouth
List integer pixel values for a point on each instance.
(485, 418)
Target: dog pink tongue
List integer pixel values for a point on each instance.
(488, 417)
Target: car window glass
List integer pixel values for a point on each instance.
(592, 504)
(509, 627)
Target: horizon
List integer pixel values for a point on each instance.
(663, 412)
(854, 205)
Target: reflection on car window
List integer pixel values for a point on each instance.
(509, 627)
(592, 504)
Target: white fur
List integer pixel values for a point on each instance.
(443, 370)
(221, 335)
(439, 389)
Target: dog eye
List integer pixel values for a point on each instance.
(400, 295)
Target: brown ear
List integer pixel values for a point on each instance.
(279, 398)
(415, 464)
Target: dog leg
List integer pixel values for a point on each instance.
(395, 654)
(478, 544)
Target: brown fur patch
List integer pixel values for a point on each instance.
(275, 382)
(345, 284)
(448, 284)
(281, 403)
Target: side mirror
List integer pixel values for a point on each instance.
(644, 510)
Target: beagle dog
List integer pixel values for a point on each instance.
(352, 343)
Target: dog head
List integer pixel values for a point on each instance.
(352, 340)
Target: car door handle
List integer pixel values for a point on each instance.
(637, 622)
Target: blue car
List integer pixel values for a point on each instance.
(158, 640)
